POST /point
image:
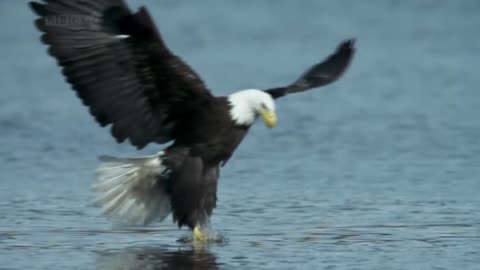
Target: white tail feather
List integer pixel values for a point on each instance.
(131, 191)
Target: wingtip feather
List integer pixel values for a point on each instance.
(38, 8)
(346, 47)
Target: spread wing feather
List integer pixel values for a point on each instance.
(322, 73)
(120, 67)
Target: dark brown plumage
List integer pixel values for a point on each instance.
(119, 66)
(134, 83)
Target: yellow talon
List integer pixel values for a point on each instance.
(198, 235)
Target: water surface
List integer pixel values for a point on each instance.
(378, 171)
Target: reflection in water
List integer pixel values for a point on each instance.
(156, 258)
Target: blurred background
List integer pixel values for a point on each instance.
(377, 171)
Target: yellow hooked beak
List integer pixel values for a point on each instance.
(268, 117)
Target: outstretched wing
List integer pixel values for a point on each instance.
(120, 67)
(322, 73)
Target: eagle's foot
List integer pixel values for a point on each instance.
(199, 236)
(204, 236)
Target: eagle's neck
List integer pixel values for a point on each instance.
(241, 114)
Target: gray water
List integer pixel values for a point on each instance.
(378, 171)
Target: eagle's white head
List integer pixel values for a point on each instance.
(247, 105)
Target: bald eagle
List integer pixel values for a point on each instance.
(120, 67)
